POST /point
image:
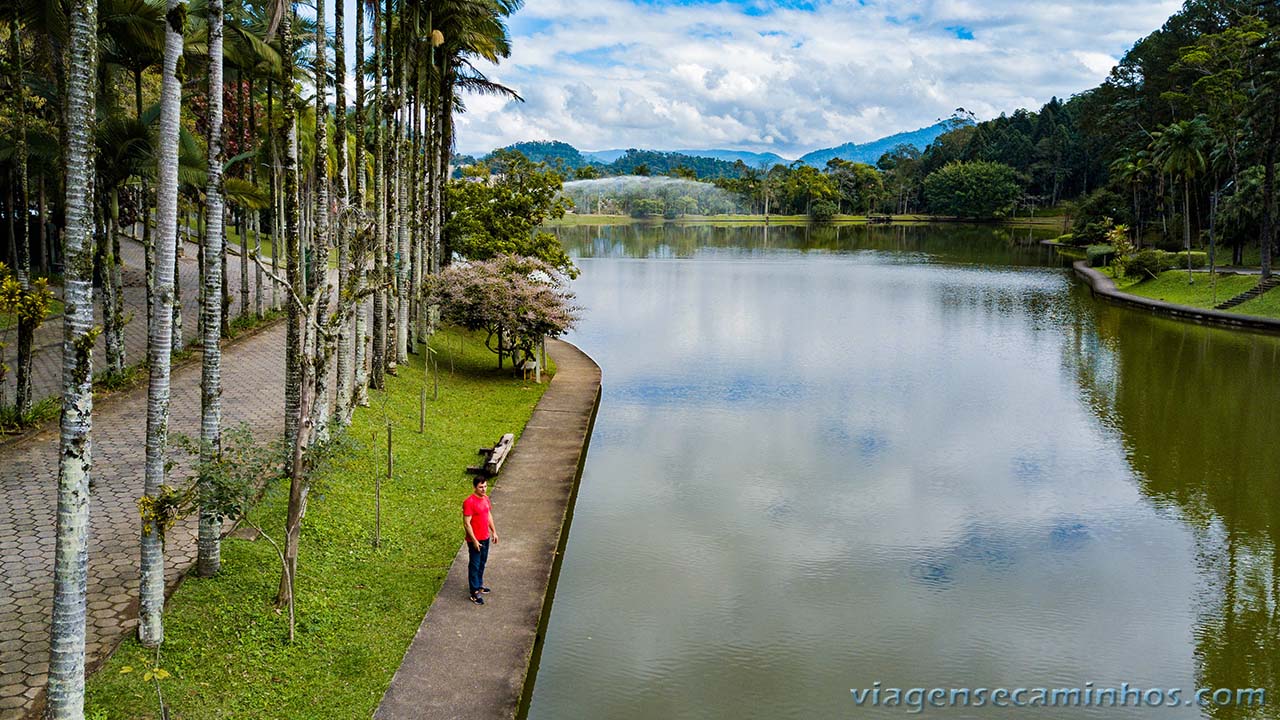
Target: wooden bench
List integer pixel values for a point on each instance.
(494, 457)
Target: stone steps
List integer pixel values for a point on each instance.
(1259, 289)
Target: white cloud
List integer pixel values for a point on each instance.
(610, 73)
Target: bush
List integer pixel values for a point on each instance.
(1198, 259)
(1100, 255)
(1093, 233)
(1067, 239)
(671, 213)
(1149, 263)
(822, 211)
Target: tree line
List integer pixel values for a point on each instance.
(151, 118)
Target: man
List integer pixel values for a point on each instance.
(477, 522)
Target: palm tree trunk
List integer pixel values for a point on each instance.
(323, 346)
(209, 545)
(403, 169)
(22, 260)
(378, 361)
(65, 689)
(342, 391)
(360, 390)
(243, 211)
(160, 342)
(256, 217)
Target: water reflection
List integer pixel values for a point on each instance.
(983, 244)
(919, 456)
(1197, 411)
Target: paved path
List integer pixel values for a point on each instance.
(46, 366)
(253, 392)
(442, 676)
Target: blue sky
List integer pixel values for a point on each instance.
(786, 76)
(789, 75)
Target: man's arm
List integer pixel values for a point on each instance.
(493, 529)
(471, 535)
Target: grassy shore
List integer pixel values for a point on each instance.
(226, 648)
(575, 220)
(1199, 290)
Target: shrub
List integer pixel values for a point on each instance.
(1100, 255)
(1149, 263)
(1198, 259)
(517, 300)
(822, 211)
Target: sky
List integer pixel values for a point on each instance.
(788, 76)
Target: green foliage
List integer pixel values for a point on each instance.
(823, 211)
(1149, 263)
(359, 607)
(972, 190)
(1099, 255)
(646, 207)
(1198, 259)
(502, 217)
(1118, 238)
(12, 421)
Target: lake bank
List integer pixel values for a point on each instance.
(573, 219)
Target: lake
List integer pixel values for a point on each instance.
(922, 457)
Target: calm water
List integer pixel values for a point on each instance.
(922, 457)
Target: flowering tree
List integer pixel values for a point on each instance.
(517, 300)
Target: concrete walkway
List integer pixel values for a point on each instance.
(444, 675)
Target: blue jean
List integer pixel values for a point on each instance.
(475, 568)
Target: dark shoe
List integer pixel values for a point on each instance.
(485, 590)
(477, 599)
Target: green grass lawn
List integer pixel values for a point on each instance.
(1172, 286)
(358, 607)
(8, 322)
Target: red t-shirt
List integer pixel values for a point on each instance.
(477, 508)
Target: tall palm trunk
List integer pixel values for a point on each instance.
(209, 546)
(160, 342)
(112, 323)
(26, 325)
(71, 551)
(360, 391)
(403, 168)
(378, 361)
(342, 391)
(323, 346)
(245, 98)
(256, 217)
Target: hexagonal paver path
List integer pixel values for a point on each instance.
(253, 392)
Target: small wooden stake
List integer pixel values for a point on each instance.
(435, 365)
(422, 410)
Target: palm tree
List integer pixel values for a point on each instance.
(71, 552)
(1133, 169)
(345, 349)
(209, 543)
(160, 340)
(318, 281)
(1180, 149)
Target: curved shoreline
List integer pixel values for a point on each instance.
(475, 662)
(1101, 285)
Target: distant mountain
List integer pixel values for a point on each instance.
(549, 151)
(603, 156)
(719, 162)
(752, 159)
(870, 152)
